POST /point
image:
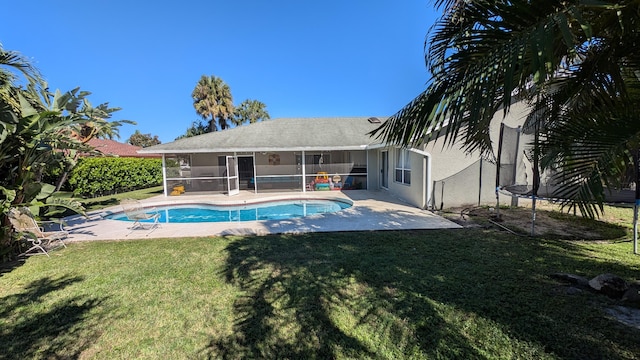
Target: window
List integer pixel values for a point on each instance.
(403, 166)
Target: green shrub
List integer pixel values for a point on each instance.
(93, 177)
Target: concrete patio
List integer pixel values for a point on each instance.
(371, 211)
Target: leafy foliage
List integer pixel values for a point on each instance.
(107, 175)
(576, 63)
(39, 131)
(249, 112)
(213, 101)
(196, 128)
(143, 140)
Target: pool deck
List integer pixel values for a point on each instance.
(371, 211)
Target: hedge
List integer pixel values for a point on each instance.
(93, 177)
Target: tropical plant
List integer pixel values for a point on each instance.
(38, 130)
(576, 64)
(143, 140)
(34, 143)
(12, 64)
(196, 128)
(249, 112)
(212, 100)
(87, 122)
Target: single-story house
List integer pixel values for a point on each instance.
(328, 154)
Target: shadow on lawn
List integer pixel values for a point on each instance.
(398, 295)
(9, 266)
(60, 330)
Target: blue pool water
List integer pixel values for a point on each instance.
(274, 210)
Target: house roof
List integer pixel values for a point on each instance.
(114, 148)
(284, 134)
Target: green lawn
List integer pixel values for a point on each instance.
(114, 199)
(464, 294)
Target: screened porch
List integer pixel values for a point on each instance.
(261, 172)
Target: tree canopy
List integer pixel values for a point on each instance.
(575, 63)
(213, 101)
(196, 128)
(143, 140)
(40, 130)
(250, 112)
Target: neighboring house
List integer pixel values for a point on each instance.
(114, 148)
(313, 154)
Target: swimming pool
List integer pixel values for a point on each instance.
(272, 210)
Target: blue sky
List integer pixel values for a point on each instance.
(301, 58)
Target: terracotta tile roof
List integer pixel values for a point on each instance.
(112, 147)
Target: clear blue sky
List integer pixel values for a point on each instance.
(301, 58)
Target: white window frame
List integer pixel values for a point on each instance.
(402, 172)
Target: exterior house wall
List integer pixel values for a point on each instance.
(462, 178)
(413, 193)
(276, 163)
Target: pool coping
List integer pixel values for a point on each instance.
(160, 205)
(370, 211)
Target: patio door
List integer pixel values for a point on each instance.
(384, 169)
(246, 172)
(233, 186)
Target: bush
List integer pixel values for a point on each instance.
(93, 177)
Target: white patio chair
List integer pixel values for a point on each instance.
(140, 215)
(30, 231)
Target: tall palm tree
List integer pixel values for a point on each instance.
(250, 111)
(575, 62)
(213, 101)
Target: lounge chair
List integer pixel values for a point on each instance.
(30, 231)
(140, 215)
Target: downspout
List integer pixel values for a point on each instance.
(426, 179)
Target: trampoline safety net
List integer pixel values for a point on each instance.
(476, 184)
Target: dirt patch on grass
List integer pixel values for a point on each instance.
(549, 222)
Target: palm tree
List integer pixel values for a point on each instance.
(250, 111)
(213, 101)
(576, 63)
(196, 128)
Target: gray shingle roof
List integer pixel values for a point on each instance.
(289, 134)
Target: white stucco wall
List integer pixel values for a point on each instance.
(413, 193)
(448, 160)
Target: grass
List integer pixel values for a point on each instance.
(102, 202)
(467, 294)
